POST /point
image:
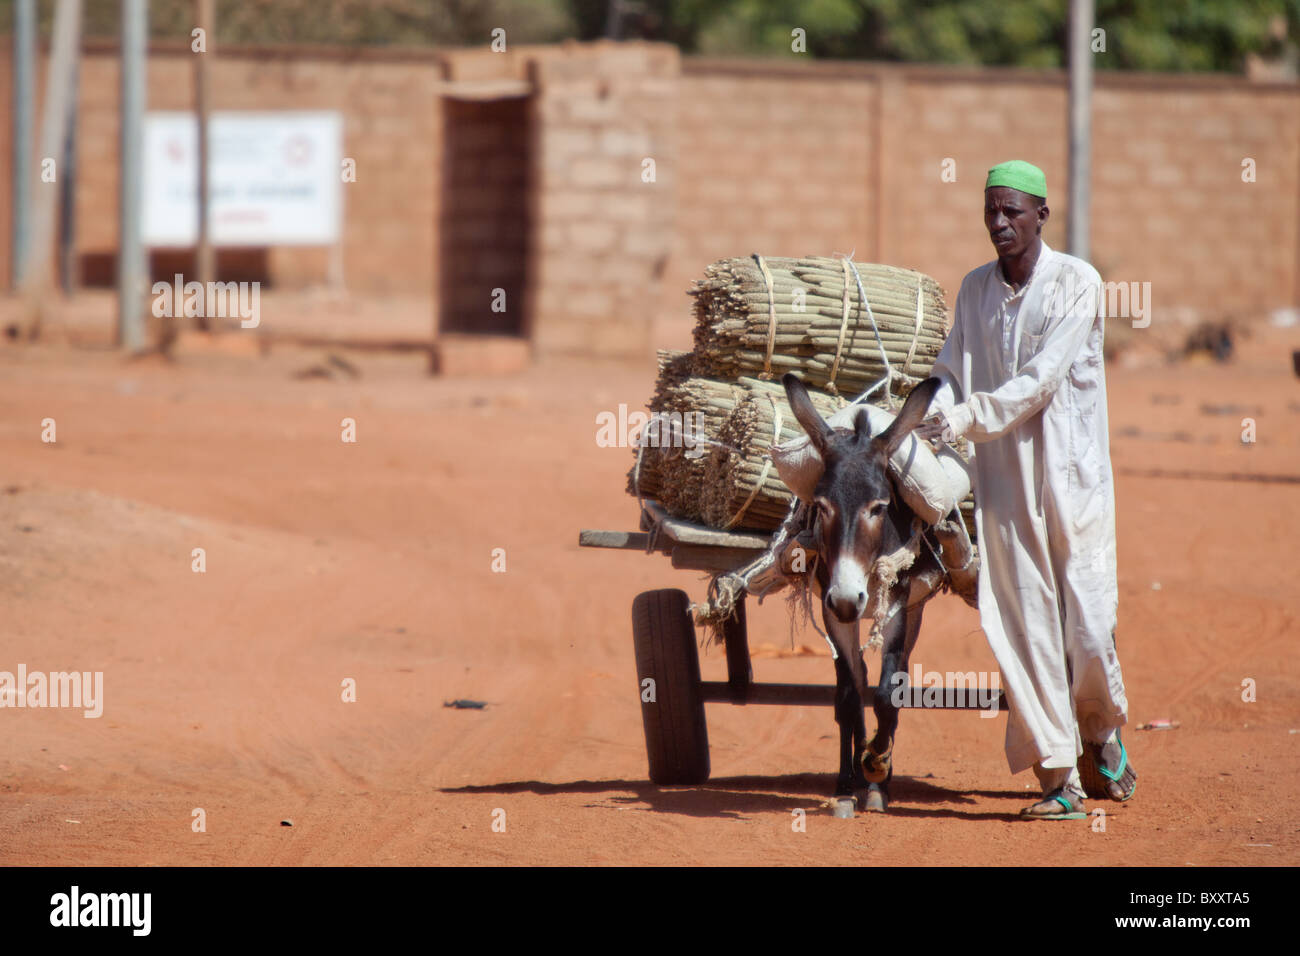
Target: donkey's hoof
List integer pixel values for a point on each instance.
(877, 801)
(876, 767)
(843, 808)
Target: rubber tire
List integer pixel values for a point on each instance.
(676, 735)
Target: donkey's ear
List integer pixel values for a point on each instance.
(804, 412)
(912, 414)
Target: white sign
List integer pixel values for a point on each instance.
(274, 178)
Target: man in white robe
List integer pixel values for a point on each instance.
(1024, 381)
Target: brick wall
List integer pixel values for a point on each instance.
(1167, 188)
(771, 166)
(1169, 204)
(603, 217)
(390, 127)
(774, 157)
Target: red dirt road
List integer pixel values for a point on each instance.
(373, 561)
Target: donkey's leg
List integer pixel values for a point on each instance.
(898, 641)
(850, 701)
(846, 701)
(900, 636)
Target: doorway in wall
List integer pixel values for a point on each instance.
(484, 224)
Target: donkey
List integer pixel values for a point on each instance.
(857, 518)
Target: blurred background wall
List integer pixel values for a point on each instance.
(846, 156)
(525, 170)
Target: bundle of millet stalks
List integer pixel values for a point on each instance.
(843, 327)
(840, 325)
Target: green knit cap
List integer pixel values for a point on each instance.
(1018, 174)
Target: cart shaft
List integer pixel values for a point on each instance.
(823, 695)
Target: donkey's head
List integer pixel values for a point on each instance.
(853, 496)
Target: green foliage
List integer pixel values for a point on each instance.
(349, 22)
(1170, 35)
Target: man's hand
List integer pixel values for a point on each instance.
(932, 428)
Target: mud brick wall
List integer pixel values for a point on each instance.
(602, 232)
(390, 127)
(771, 165)
(1169, 203)
(783, 158)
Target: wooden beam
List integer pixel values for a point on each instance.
(823, 695)
(687, 532)
(621, 540)
(702, 557)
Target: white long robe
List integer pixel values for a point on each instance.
(1024, 380)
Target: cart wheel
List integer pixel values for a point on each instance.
(676, 737)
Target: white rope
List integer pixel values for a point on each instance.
(844, 326)
(916, 333)
(889, 370)
(884, 575)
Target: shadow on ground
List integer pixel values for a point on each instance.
(742, 795)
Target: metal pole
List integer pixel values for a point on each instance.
(203, 15)
(24, 79)
(614, 19)
(1078, 224)
(59, 74)
(68, 186)
(131, 274)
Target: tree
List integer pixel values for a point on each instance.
(1170, 35)
(1167, 35)
(349, 22)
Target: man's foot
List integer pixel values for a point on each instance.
(1061, 804)
(1106, 772)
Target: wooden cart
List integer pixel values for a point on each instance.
(667, 657)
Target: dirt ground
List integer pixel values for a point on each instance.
(373, 561)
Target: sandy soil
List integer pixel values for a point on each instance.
(372, 561)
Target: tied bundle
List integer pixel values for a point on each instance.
(741, 486)
(716, 469)
(842, 326)
(720, 472)
(670, 465)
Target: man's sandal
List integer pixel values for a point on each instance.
(1057, 805)
(1106, 773)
